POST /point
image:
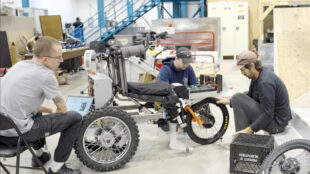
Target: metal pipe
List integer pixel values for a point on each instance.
(147, 117)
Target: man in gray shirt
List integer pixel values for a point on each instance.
(23, 89)
(266, 105)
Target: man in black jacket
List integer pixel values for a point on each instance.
(266, 105)
(78, 23)
(78, 31)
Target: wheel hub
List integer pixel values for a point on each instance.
(290, 166)
(208, 121)
(107, 139)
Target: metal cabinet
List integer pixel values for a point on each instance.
(234, 25)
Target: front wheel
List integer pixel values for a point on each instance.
(215, 120)
(292, 157)
(108, 139)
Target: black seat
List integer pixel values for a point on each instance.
(149, 91)
(22, 145)
(158, 88)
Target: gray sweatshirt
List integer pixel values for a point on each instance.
(270, 92)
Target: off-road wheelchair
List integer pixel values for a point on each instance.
(109, 136)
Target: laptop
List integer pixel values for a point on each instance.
(80, 104)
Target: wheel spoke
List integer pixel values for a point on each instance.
(109, 131)
(201, 130)
(95, 150)
(90, 143)
(215, 121)
(291, 157)
(113, 127)
(108, 139)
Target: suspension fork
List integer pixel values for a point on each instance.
(195, 118)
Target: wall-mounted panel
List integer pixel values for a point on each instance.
(292, 53)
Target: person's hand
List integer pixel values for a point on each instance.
(247, 130)
(223, 101)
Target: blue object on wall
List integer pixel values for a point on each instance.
(202, 8)
(159, 4)
(100, 8)
(130, 9)
(25, 4)
(176, 9)
(184, 9)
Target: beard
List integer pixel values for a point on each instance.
(250, 75)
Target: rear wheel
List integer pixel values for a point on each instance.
(108, 139)
(292, 157)
(215, 120)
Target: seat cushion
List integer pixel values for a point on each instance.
(155, 89)
(148, 98)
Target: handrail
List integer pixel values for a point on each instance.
(88, 21)
(121, 9)
(118, 13)
(105, 7)
(129, 19)
(123, 21)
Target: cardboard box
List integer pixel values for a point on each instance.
(147, 77)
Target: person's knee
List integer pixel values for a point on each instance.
(237, 98)
(74, 117)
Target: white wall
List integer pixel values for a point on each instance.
(153, 15)
(86, 8)
(192, 7)
(67, 9)
(11, 3)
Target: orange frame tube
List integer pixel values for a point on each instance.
(188, 109)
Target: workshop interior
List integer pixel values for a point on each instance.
(120, 70)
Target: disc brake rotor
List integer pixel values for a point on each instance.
(207, 118)
(290, 166)
(208, 121)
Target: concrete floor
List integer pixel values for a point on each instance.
(153, 155)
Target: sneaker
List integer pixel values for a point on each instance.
(46, 156)
(65, 170)
(163, 124)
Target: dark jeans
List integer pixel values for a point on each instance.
(247, 110)
(68, 124)
(170, 106)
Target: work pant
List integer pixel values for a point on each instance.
(247, 110)
(170, 106)
(68, 124)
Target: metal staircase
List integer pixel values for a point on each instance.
(147, 6)
(115, 19)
